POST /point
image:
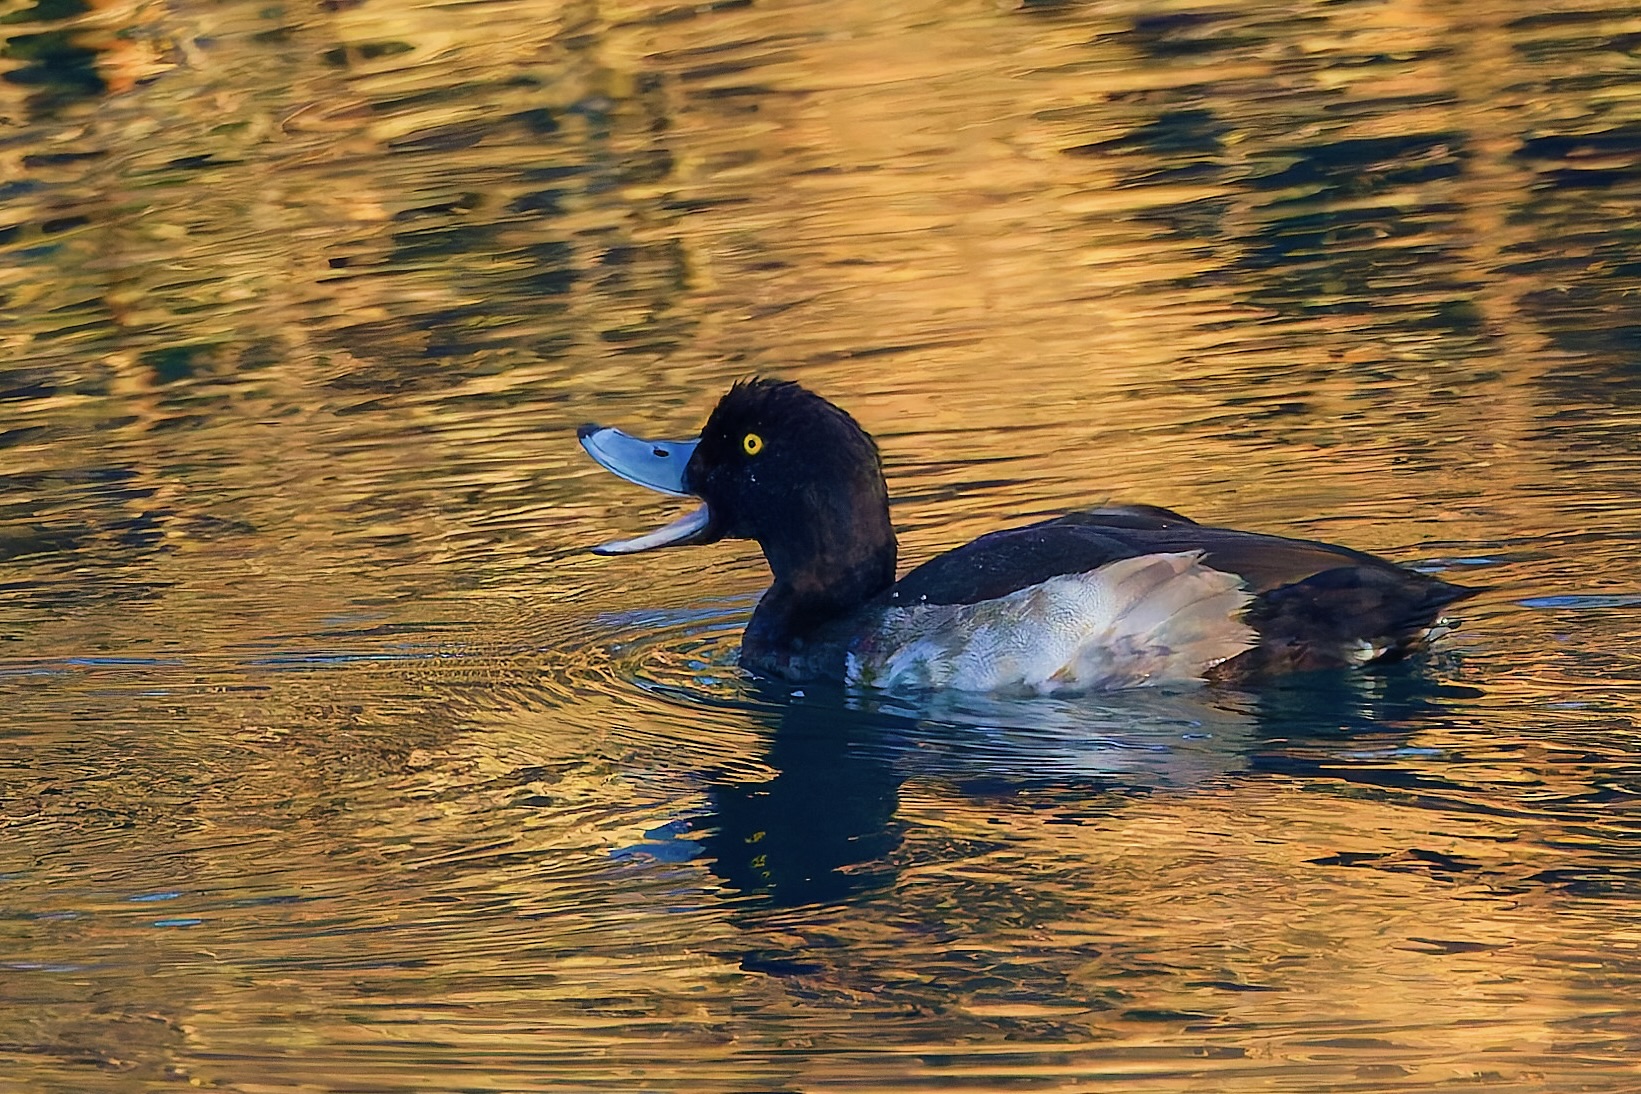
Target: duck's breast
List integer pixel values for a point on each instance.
(1136, 621)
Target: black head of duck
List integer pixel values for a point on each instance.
(1108, 597)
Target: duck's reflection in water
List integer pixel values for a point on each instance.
(825, 826)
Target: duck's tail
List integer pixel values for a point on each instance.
(1349, 615)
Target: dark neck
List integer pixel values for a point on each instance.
(819, 591)
(820, 579)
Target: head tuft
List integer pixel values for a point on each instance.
(785, 408)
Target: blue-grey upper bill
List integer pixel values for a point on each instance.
(658, 465)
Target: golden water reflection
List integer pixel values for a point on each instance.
(332, 761)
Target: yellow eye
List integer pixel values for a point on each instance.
(752, 443)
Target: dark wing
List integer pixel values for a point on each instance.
(1315, 603)
(1002, 562)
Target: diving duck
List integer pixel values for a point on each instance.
(1116, 596)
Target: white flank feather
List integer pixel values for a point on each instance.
(1136, 621)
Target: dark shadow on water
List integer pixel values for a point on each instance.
(1356, 728)
(823, 828)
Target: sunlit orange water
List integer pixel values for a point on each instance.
(331, 761)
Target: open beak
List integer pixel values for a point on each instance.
(658, 465)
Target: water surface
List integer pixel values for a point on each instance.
(331, 761)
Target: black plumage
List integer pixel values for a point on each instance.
(778, 464)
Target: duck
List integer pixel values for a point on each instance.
(1112, 596)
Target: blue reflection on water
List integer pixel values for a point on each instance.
(1583, 600)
